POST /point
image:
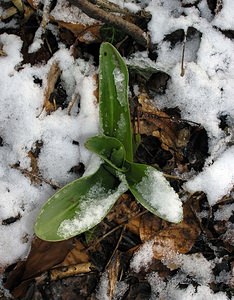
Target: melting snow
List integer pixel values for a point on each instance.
(21, 128)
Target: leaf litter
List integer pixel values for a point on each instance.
(186, 128)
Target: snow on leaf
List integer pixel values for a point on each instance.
(154, 192)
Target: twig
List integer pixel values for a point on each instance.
(116, 247)
(75, 98)
(97, 13)
(114, 229)
(182, 56)
(40, 178)
(112, 7)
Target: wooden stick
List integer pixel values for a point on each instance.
(99, 14)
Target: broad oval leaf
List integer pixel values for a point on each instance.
(109, 149)
(154, 192)
(113, 97)
(79, 206)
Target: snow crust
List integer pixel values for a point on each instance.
(143, 257)
(224, 19)
(65, 12)
(20, 129)
(216, 180)
(171, 290)
(205, 92)
(193, 267)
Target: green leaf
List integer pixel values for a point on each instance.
(109, 149)
(113, 97)
(79, 206)
(136, 142)
(154, 192)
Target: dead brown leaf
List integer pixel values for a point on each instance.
(34, 173)
(33, 3)
(157, 123)
(11, 11)
(77, 255)
(72, 270)
(2, 52)
(177, 238)
(48, 104)
(84, 33)
(149, 226)
(42, 257)
(125, 209)
(19, 5)
(113, 274)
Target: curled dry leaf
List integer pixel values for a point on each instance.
(113, 271)
(2, 52)
(63, 272)
(19, 5)
(52, 78)
(42, 257)
(11, 11)
(219, 6)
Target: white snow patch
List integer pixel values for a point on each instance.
(120, 85)
(224, 213)
(143, 257)
(191, 264)
(205, 92)
(216, 180)
(21, 128)
(170, 290)
(224, 19)
(65, 12)
(103, 288)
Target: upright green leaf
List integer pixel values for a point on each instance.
(154, 192)
(113, 97)
(79, 206)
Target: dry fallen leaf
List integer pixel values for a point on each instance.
(52, 78)
(177, 238)
(113, 274)
(2, 53)
(11, 11)
(157, 123)
(34, 172)
(77, 255)
(33, 3)
(19, 5)
(84, 33)
(42, 257)
(63, 272)
(149, 226)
